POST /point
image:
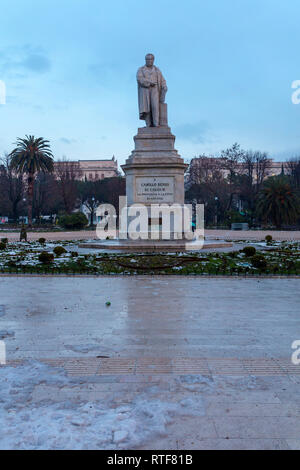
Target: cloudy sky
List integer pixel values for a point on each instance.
(69, 68)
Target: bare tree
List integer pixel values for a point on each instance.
(255, 168)
(207, 185)
(67, 173)
(203, 169)
(256, 165)
(110, 189)
(46, 197)
(262, 167)
(87, 195)
(293, 169)
(232, 158)
(221, 183)
(12, 188)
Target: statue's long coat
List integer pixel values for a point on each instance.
(143, 93)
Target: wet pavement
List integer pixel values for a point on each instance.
(280, 235)
(221, 345)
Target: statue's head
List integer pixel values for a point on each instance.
(149, 60)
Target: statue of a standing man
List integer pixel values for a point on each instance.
(152, 89)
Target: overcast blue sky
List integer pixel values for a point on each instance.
(69, 67)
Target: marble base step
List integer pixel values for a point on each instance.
(141, 246)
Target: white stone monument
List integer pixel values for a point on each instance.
(154, 177)
(154, 171)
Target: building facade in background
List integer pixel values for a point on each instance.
(89, 170)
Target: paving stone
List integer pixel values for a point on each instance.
(258, 427)
(117, 366)
(198, 427)
(232, 444)
(293, 444)
(230, 395)
(252, 409)
(153, 365)
(263, 367)
(226, 366)
(190, 365)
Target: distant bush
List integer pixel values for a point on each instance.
(2, 246)
(77, 220)
(4, 240)
(59, 250)
(46, 258)
(42, 240)
(259, 261)
(233, 254)
(74, 254)
(268, 238)
(11, 263)
(249, 251)
(235, 216)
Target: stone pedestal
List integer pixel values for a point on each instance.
(154, 171)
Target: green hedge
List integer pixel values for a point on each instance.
(77, 220)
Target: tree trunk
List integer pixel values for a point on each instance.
(30, 182)
(15, 211)
(92, 218)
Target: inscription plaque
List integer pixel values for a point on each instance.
(154, 189)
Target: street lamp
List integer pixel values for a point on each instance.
(24, 217)
(216, 215)
(92, 212)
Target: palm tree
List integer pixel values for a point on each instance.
(278, 202)
(30, 157)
